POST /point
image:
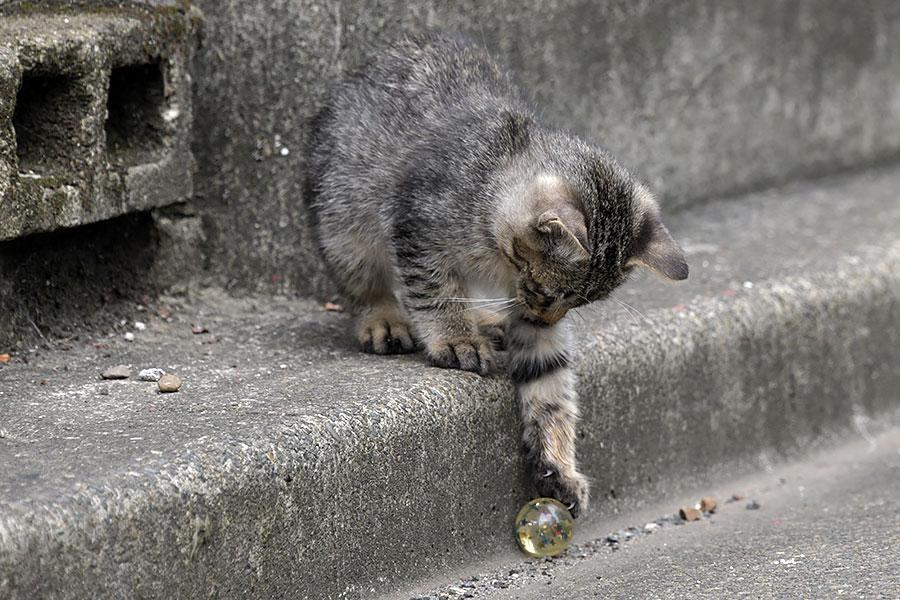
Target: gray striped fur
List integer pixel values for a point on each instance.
(431, 181)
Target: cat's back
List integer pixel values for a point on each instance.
(440, 68)
(416, 88)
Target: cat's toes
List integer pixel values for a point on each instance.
(492, 326)
(572, 489)
(469, 353)
(383, 336)
(495, 333)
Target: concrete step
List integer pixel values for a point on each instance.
(291, 466)
(825, 526)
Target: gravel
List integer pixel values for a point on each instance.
(543, 569)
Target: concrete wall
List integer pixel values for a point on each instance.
(95, 116)
(702, 98)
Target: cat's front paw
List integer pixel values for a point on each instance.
(469, 353)
(572, 488)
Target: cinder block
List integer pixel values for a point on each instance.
(95, 115)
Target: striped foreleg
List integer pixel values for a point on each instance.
(539, 365)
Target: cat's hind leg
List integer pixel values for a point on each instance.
(383, 329)
(368, 279)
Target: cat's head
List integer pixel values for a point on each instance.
(581, 235)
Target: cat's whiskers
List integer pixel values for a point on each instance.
(499, 305)
(496, 306)
(475, 299)
(577, 313)
(629, 308)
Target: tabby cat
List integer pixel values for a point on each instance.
(432, 182)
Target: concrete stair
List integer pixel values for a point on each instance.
(291, 466)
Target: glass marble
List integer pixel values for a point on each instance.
(544, 527)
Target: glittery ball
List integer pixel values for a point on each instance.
(544, 527)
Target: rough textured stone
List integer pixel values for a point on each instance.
(265, 481)
(708, 504)
(689, 513)
(95, 115)
(152, 374)
(169, 383)
(117, 372)
(701, 98)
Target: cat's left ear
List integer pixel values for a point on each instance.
(564, 224)
(654, 248)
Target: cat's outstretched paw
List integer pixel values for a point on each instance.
(381, 333)
(572, 489)
(469, 353)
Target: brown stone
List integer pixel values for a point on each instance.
(689, 513)
(708, 504)
(169, 383)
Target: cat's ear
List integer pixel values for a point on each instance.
(564, 226)
(654, 249)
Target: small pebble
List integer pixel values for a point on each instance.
(753, 505)
(153, 374)
(129, 337)
(708, 504)
(117, 372)
(169, 383)
(689, 513)
(104, 390)
(140, 326)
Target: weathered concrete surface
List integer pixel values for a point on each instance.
(289, 465)
(95, 115)
(828, 526)
(70, 284)
(702, 98)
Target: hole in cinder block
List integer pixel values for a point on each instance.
(48, 122)
(134, 125)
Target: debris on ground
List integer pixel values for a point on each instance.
(153, 374)
(140, 325)
(117, 372)
(708, 504)
(753, 505)
(129, 337)
(735, 498)
(198, 329)
(331, 306)
(5, 358)
(163, 312)
(689, 513)
(168, 383)
(104, 390)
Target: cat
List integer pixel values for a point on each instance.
(431, 178)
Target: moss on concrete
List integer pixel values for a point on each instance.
(70, 172)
